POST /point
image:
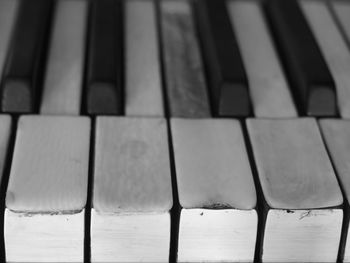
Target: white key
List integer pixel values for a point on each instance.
(143, 86)
(268, 86)
(183, 68)
(8, 14)
(333, 47)
(132, 195)
(341, 11)
(62, 89)
(303, 198)
(337, 138)
(213, 171)
(47, 190)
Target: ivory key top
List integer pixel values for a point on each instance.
(47, 190)
(132, 195)
(218, 220)
(302, 199)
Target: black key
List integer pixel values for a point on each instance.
(104, 75)
(226, 74)
(22, 77)
(311, 80)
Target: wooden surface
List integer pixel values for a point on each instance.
(143, 87)
(185, 82)
(293, 166)
(131, 168)
(5, 132)
(268, 86)
(302, 235)
(212, 166)
(49, 171)
(333, 47)
(62, 90)
(8, 11)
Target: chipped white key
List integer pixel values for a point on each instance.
(47, 190)
(62, 91)
(337, 138)
(132, 195)
(268, 86)
(143, 75)
(333, 47)
(302, 195)
(218, 221)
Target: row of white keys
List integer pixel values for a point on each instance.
(47, 190)
(218, 221)
(303, 199)
(132, 195)
(333, 47)
(268, 86)
(62, 90)
(143, 75)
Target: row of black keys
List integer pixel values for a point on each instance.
(311, 82)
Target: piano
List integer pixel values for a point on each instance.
(174, 131)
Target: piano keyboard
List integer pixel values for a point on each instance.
(174, 131)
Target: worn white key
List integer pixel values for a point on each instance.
(8, 14)
(143, 80)
(218, 221)
(62, 90)
(341, 11)
(47, 190)
(337, 138)
(132, 195)
(268, 86)
(303, 198)
(333, 47)
(5, 133)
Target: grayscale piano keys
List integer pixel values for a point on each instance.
(337, 139)
(184, 76)
(341, 10)
(8, 11)
(302, 196)
(268, 86)
(333, 47)
(143, 87)
(132, 195)
(218, 220)
(62, 89)
(47, 190)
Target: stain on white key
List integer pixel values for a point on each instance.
(132, 195)
(47, 190)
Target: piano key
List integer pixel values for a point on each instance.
(227, 78)
(8, 12)
(185, 83)
(268, 86)
(22, 76)
(47, 190)
(64, 74)
(336, 135)
(334, 49)
(104, 73)
(143, 85)
(218, 221)
(340, 10)
(311, 80)
(132, 195)
(302, 196)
